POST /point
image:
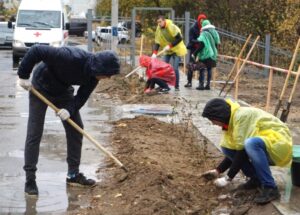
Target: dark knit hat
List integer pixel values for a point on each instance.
(217, 109)
(105, 63)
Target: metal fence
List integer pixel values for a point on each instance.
(231, 43)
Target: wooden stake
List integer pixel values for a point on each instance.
(269, 89)
(287, 78)
(235, 63)
(142, 44)
(236, 92)
(243, 65)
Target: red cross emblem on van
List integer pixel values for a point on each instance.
(37, 34)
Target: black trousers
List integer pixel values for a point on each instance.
(161, 83)
(35, 127)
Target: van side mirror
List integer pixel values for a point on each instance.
(9, 24)
(67, 26)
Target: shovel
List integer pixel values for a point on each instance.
(286, 111)
(287, 78)
(79, 129)
(235, 64)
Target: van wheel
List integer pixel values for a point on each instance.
(123, 41)
(15, 61)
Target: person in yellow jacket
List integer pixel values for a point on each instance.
(264, 138)
(168, 36)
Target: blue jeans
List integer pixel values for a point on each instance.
(176, 59)
(257, 153)
(201, 78)
(259, 161)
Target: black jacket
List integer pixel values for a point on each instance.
(194, 33)
(60, 68)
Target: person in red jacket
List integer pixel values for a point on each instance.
(158, 72)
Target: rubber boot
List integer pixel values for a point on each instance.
(201, 86)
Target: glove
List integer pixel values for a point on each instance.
(166, 48)
(210, 174)
(153, 56)
(63, 114)
(222, 182)
(25, 83)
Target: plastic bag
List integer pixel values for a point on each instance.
(156, 68)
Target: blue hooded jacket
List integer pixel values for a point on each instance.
(60, 68)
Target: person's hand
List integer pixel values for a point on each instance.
(166, 48)
(222, 182)
(25, 83)
(63, 114)
(210, 174)
(153, 56)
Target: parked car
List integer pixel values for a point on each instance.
(105, 34)
(93, 35)
(127, 24)
(77, 26)
(6, 35)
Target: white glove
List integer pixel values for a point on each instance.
(25, 83)
(153, 55)
(210, 174)
(166, 48)
(63, 114)
(222, 182)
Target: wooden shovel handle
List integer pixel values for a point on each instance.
(79, 129)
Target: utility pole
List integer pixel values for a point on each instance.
(114, 23)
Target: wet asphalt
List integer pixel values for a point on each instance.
(54, 195)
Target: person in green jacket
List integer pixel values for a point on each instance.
(207, 52)
(168, 35)
(265, 139)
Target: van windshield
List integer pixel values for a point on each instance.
(39, 19)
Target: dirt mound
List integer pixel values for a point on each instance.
(164, 162)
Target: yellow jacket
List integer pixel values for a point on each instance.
(165, 36)
(246, 122)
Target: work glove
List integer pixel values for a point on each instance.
(210, 174)
(153, 56)
(166, 48)
(63, 114)
(25, 83)
(222, 182)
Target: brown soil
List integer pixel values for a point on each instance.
(165, 161)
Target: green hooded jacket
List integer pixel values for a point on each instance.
(210, 37)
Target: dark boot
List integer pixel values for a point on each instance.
(267, 195)
(201, 86)
(31, 188)
(188, 85)
(207, 87)
(252, 183)
(80, 180)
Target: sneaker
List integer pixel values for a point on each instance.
(31, 188)
(81, 181)
(188, 85)
(164, 90)
(176, 88)
(267, 195)
(252, 183)
(147, 90)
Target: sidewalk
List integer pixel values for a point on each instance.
(195, 100)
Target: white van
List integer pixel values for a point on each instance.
(38, 22)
